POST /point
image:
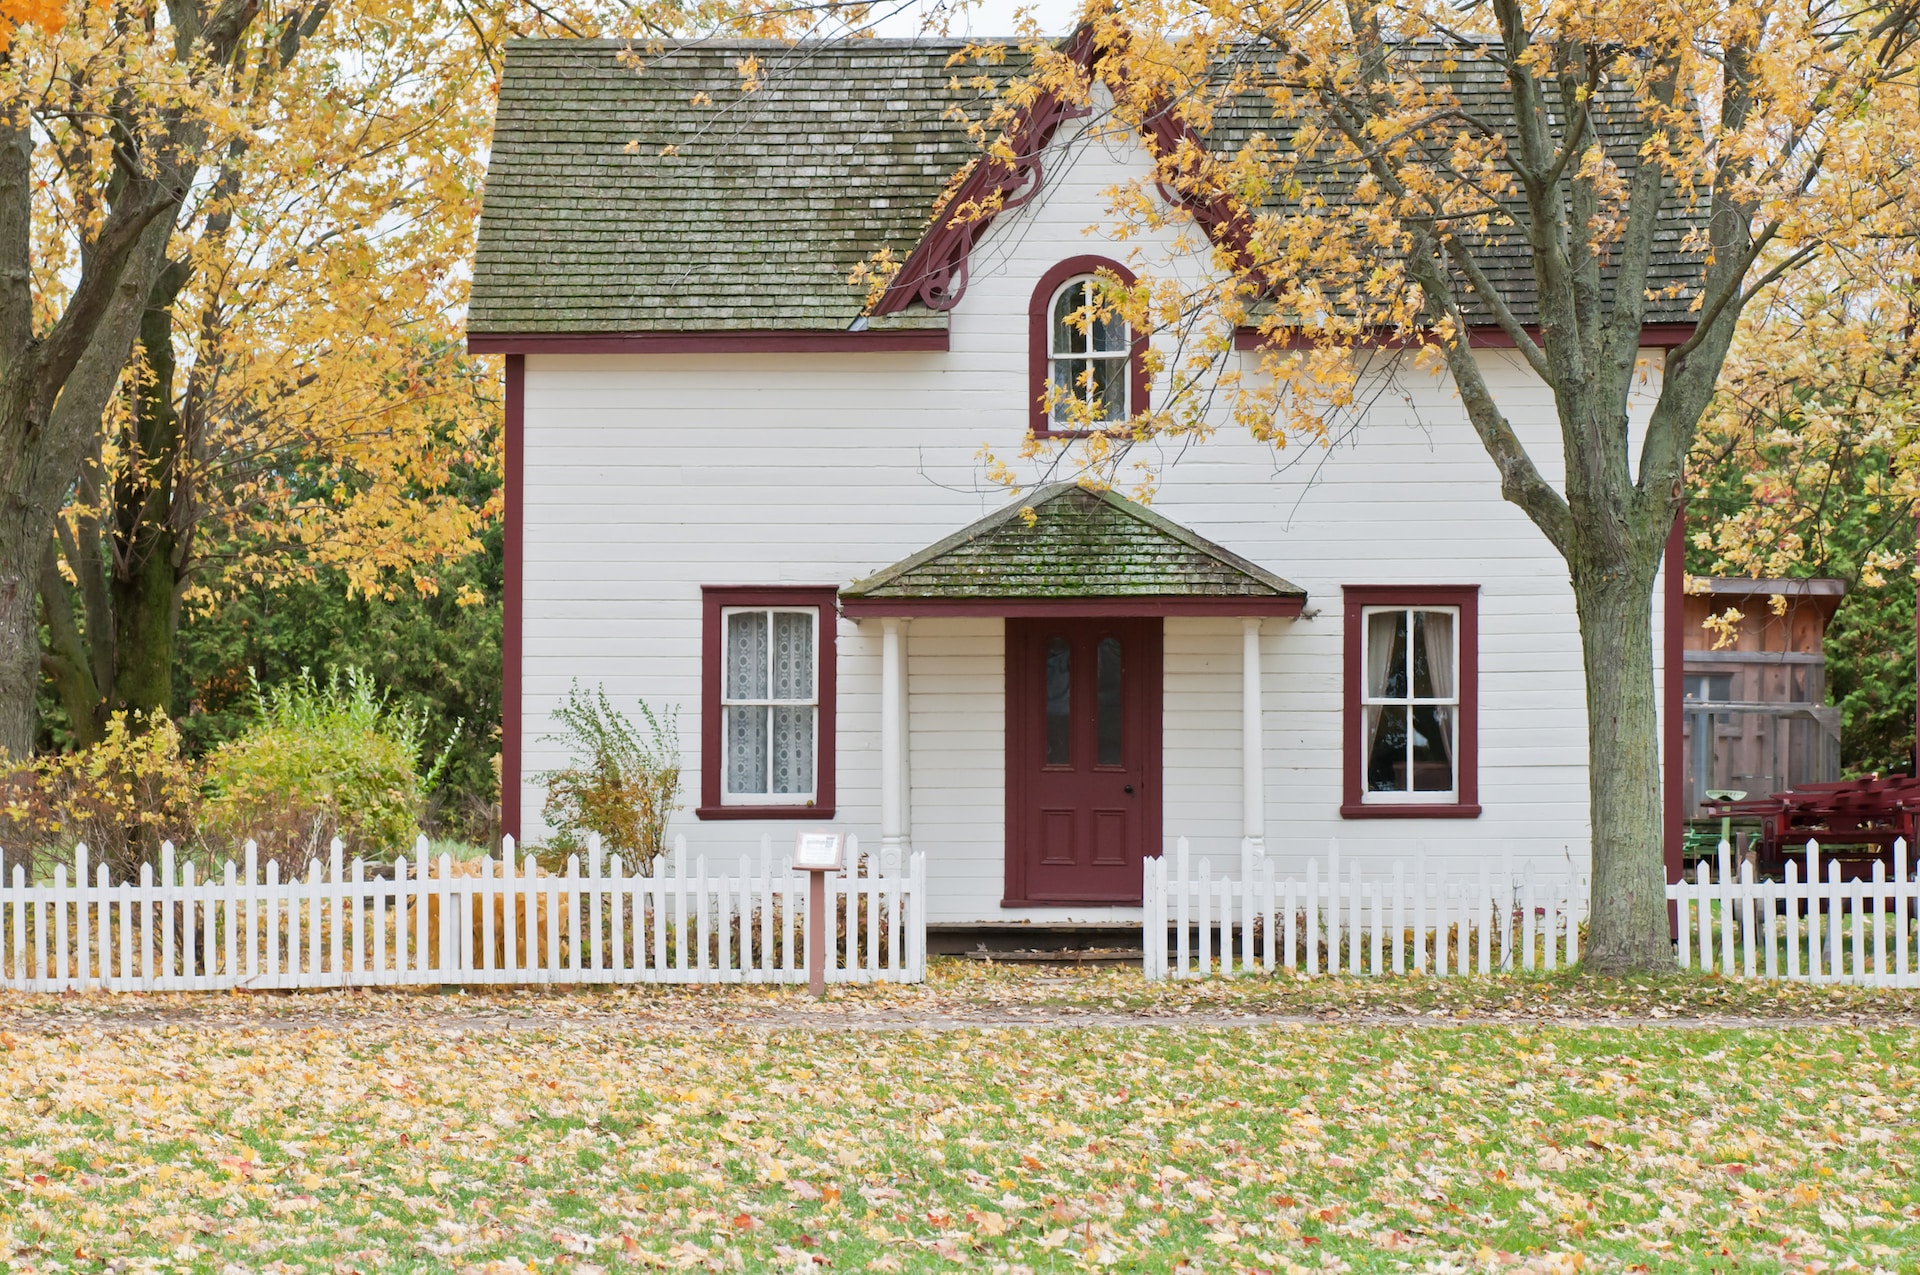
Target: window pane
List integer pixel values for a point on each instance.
(1432, 748)
(1433, 655)
(1387, 752)
(746, 749)
(1059, 702)
(1387, 655)
(1110, 388)
(747, 655)
(1110, 334)
(1067, 387)
(792, 655)
(1068, 338)
(793, 750)
(1107, 701)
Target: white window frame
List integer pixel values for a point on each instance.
(1124, 357)
(727, 796)
(1425, 796)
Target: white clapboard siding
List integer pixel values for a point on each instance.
(434, 921)
(1199, 922)
(1810, 927)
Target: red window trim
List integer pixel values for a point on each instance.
(1039, 323)
(713, 598)
(1353, 677)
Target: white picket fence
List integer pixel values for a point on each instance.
(1196, 923)
(437, 921)
(1803, 928)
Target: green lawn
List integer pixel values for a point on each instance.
(366, 1145)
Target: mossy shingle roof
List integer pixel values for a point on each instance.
(770, 198)
(756, 222)
(1080, 544)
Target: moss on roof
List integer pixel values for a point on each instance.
(667, 199)
(1081, 544)
(768, 201)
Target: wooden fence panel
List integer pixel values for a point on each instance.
(432, 921)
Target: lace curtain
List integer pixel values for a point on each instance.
(769, 713)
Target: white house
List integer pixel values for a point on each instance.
(735, 488)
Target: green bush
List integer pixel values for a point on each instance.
(321, 762)
(617, 783)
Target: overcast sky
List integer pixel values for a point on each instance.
(987, 18)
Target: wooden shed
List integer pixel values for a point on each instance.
(1756, 718)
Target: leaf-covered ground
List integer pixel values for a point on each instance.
(750, 1130)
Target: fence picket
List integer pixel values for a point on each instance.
(1901, 890)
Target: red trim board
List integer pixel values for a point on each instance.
(713, 598)
(512, 608)
(799, 341)
(1039, 342)
(1353, 677)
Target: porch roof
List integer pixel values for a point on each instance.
(1084, 553)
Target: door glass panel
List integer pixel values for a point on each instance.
(1107, 701)
(1059, 702)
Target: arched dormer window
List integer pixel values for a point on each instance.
(1083, 355)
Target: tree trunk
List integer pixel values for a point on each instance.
(19, 630)
(146, 564)
(39, 478)
(1615, 606)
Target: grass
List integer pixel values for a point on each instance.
(589, 1136)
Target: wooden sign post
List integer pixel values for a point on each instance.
(817, 854)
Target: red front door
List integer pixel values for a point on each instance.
(1083, 758)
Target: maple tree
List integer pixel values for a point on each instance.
(298, 392)
(1808, 463)
(118, 106)
(1369, 201)
(279, 383)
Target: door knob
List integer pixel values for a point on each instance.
(1129, 790)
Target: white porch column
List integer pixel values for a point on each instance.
(893, 735)
(1253, 792)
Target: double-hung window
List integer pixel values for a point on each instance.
(767, 701)
(1412, 703)
(770, 705)
(1412, 685)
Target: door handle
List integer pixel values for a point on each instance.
(1129, 790)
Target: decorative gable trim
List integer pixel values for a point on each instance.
(935, 272)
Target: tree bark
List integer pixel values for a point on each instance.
(1614, 602)
(145, 577)
(40, 478)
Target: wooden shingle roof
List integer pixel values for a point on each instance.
(771, 200)
(666, 199)
(1080, 546)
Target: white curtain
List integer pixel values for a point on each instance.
(1436, 631)
(1436, 628)
(792, 680)
(1382, 628)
